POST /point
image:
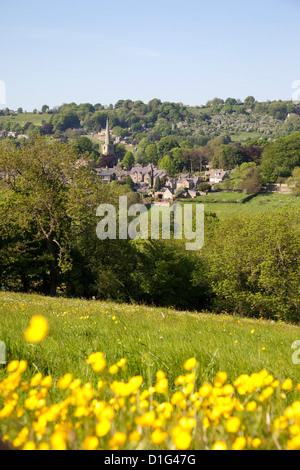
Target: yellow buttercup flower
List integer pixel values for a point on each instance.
(36, 380)
(219, 445)
(29, 446)
(220, 379)
(162, 386)
(97, 361)
(240, 443)
(134, 436)
(121, 362)
(118, 439)
(233, 424)
(37, 330)
(182, 439)
(158, 436)
(43, 446)
(65, 381)
(47, 381)
(256, 443)
(251, 406)
(103, 427)
(287, 385)
(90, 443)
(13, 366)
(294, 443)
(146, 420)
(190, 364)
(114, 369)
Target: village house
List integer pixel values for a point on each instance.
(146, 176)
(193, 193)
(164, 194)
(187, 182)
(170, 182)
(107, 175)
(216, 176)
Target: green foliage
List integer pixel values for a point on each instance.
(167, 163)
(294, 180)
(83, 145)
(204, 187)
(230, 157)
(128, 161)
(157, 184)
(246, 177)
(165, 145)
(254, 264)
(280, 158)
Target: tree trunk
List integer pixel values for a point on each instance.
(52, 267)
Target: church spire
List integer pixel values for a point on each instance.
(107, 136)
(107, 147)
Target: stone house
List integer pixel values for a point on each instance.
(216, 176)
(146, 176)
(165, 194)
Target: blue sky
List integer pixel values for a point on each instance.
(185, 51)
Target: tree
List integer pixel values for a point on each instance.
(83, 145)
(120, 151)
(128, 161)
(230, 157)
(45, 108)
(157, 184)
(165, 145)
(294, 180)
(64, 121)
(107, 161)
(249, 101)
(247, 177)
(230, 102)
(198, 158)
(280, 158)
(20, 110)
(151, 153)
(167, 164)
(47, 128)
(140, 157)
(129, 182)
(42, 189)
(204, 187)
(254, 264)
(215, 102)
(291, 125)
(252, 182)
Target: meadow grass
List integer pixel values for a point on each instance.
(263, 202)
(23, 118)
(151, 338)
(245, 136)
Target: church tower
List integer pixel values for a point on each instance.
(107, 147)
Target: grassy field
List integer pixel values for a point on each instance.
(245, 136)
(260, 203)
(151, 340)
(23, 118)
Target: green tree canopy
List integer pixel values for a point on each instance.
(280, 158)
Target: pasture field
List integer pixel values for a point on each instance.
(245, 136)
(146, 336)
(226, 350)
(23, 118)
(263, 202)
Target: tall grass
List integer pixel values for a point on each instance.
(150, 339)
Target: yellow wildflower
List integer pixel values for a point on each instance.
(37, 330)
